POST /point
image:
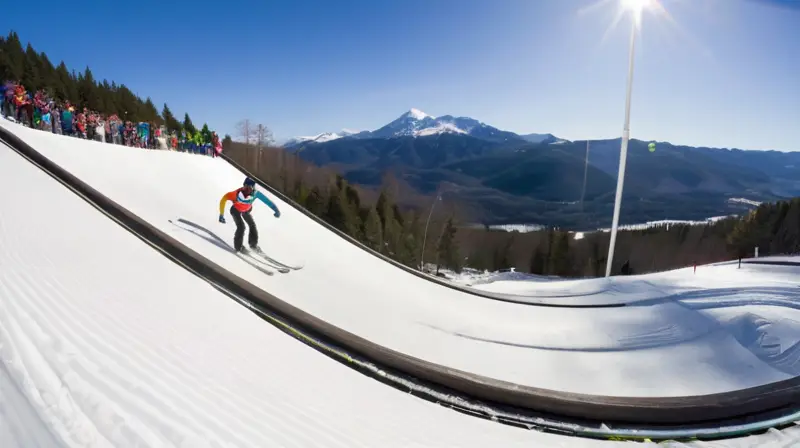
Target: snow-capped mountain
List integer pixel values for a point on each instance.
(320, 138)
(411, 123)
(542, 138)
(416, 123)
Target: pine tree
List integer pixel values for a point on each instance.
(65, 89)
(383, 207)
(352, 196)
(188, 125)
(392, 229)
(130, 105)
(538, 262)
(48, 74)
(150, 113)
(412, 241)
(172, 123)
(747, 233)
(502, 255)
(447, 251)
(5, 62)
(373, 233)
(300, 192)
(340, 214)
(86, 90)
(16, 57)
(316, 202)
(481, 259)
(31, 77)
(206, 133)
(787, 237)
(560, 257)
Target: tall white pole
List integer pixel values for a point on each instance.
(425, 235)
(585, 173)
(623, 152)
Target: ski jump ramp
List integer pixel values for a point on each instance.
(99, 324)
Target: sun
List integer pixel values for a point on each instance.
(636, 7)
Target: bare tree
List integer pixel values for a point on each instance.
(244, 130)
(263, 136)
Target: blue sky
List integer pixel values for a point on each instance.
(719, 73)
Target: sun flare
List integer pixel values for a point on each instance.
(637, 6)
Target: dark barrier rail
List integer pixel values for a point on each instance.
(630, 410)
(773, 262)
(655, 410)
(487, 295)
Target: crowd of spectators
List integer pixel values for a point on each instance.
(42, 112)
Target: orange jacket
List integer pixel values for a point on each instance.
(244, 203)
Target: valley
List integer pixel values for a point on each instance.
(506, 178)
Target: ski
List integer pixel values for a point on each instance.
(256, 254)
(253, 255)
(275, 263)
(247, 258)
(254, 263)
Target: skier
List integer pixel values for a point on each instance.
(243, 199)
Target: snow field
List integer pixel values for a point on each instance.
(659, 348)
(104, 342)
(93, 355)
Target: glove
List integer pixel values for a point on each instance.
(277, 214)
(222, 219)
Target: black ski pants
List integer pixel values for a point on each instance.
(240, 218)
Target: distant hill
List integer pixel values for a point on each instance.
(416, 123)
(539, 178)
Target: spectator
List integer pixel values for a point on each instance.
(55, 113)
(9, 99)
(40, 111)
(3, 89)
(67, 118)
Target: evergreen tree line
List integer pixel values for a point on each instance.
(375, 219)
(773, 227)
(35, 71)
(372, 217)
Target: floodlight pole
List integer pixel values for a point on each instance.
(623, 152)
(425, 235)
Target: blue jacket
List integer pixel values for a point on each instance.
(66, 119)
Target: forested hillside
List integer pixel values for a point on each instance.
(374, 217)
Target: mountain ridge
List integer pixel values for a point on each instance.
(539, 178)
(416, 123)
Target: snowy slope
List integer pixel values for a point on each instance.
(319, 138)
(106, 343)
(418, 114)
(660, 348)
(441, 128)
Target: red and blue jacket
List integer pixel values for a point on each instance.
(243, 202)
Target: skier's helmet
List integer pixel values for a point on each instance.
(249, 182)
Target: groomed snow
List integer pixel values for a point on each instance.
(660, 347)
(106, 343)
